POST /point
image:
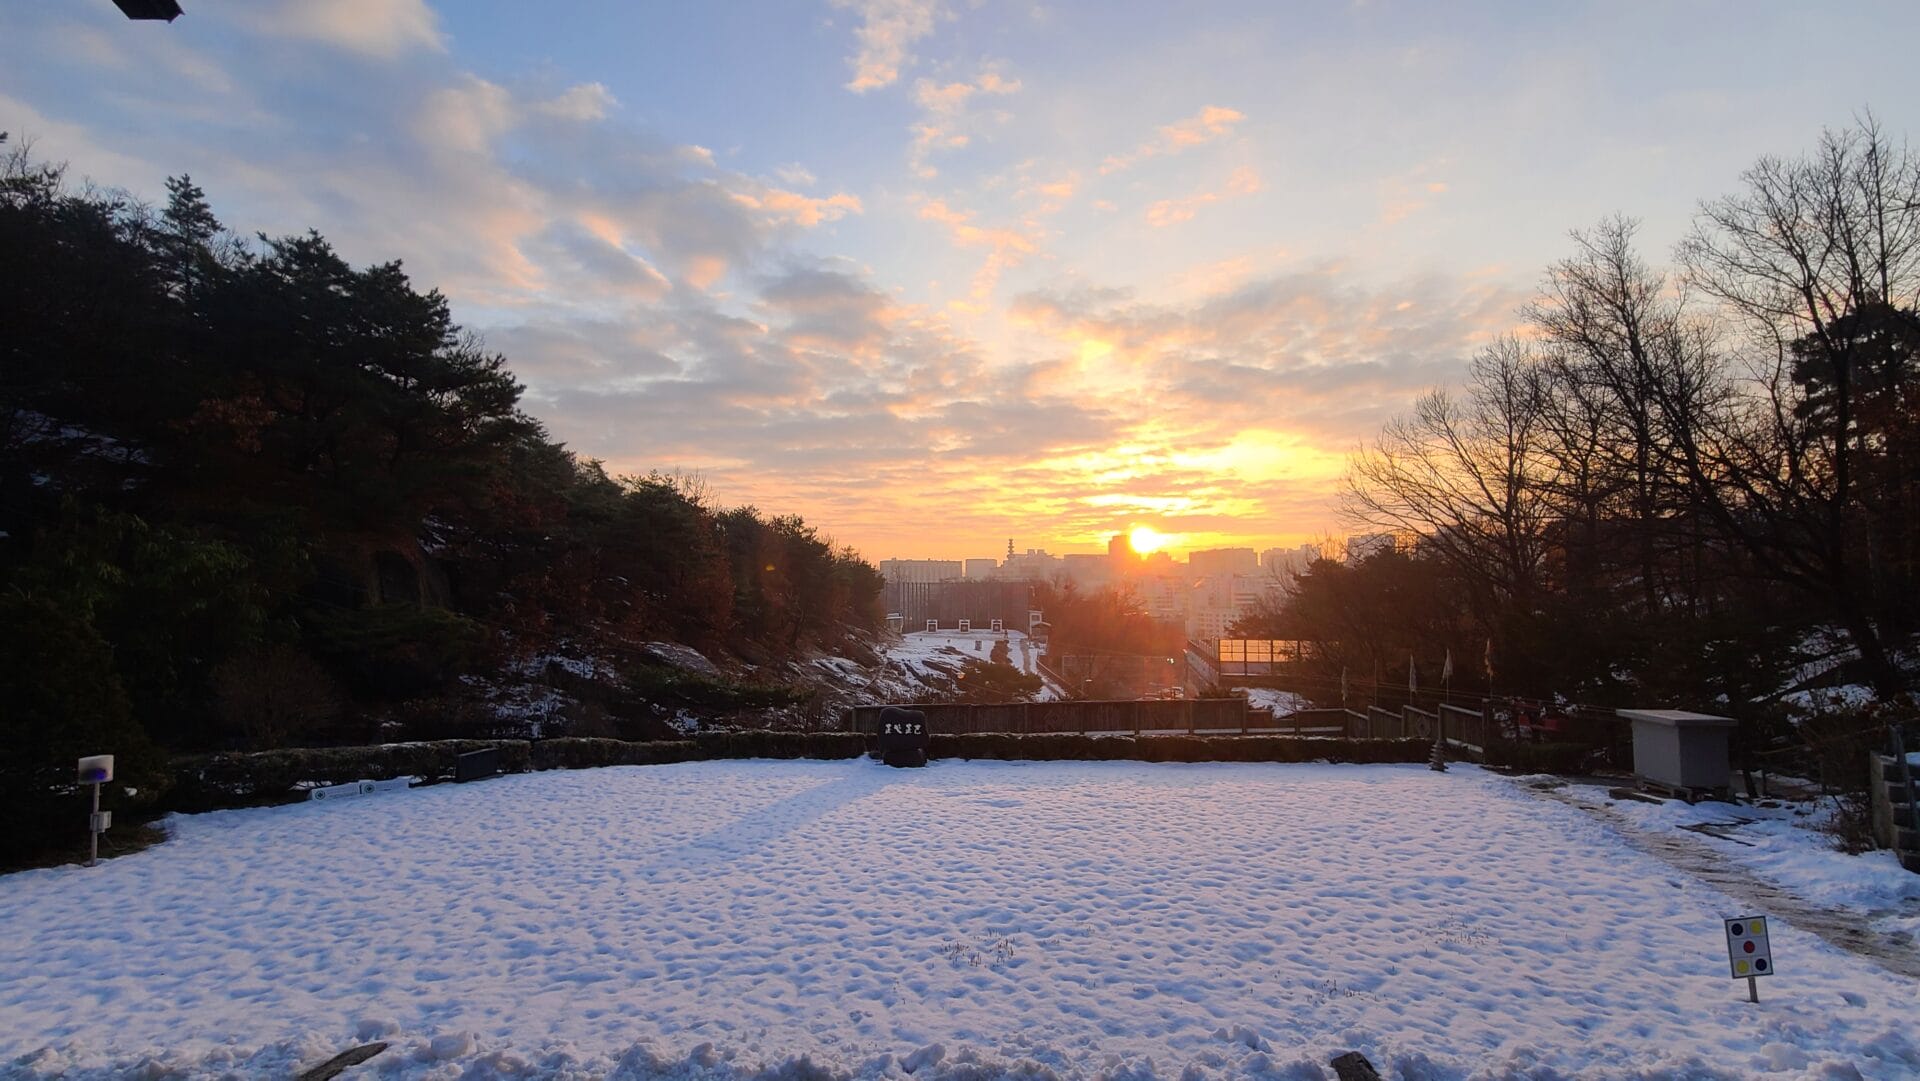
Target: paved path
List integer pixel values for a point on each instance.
(1849, 930)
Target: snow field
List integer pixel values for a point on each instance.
(969, 920)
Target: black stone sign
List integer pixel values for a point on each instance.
(474, 765)
(903, 737)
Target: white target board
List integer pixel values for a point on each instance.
(1747, 950)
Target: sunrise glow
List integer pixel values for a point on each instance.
(1146, 539)
(893, 267)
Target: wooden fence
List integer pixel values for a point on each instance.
(1336, 723)
(1468, 729)
(1197, 715)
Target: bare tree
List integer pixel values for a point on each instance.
(1795, 260)
(1631, 371)
(1468, 473)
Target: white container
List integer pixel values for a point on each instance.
(1681, 750)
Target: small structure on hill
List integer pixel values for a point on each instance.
(1684, 753)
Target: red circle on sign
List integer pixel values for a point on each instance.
(1747, 946)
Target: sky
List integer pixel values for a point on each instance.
(941, 274)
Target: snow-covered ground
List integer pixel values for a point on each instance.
(1787, 844)
(970, 920)
(919, 648)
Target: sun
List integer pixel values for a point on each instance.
(1144, 539)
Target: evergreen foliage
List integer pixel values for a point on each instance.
(229, 468)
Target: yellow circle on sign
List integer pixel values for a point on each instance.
(1740, 966)
(1759, 927)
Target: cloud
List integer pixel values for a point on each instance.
(1403, 196)
(944, 123)
(804, 210)
(1243, 181)
(796, 174)
(467, 117)
(887, 30)
(1007, 247)
(1316, 351)
(588, 101)
(667, 311)
(1210, 123)
(381, 29)
(830, 309)
(1052, 194)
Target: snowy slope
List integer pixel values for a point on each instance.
(973, 920)
(1281, 703)
(923, 666)
(1786, 844)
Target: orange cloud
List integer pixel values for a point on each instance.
(804, 210)
(1244, 181)
(888, 29)
(1008, 247)
(1210, 123)
(943, 122)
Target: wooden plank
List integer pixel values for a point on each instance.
(353, 1056)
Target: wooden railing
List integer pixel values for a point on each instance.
(1468, 729)
(1339, 723)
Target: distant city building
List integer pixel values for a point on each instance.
(980, 570)
(1215, 603)
(920, 570)
(1282, 564)
(1205, 606)
(1216, 561)
(1164, 597)
(1122, 560)
(1034, 566)
(1087, 568)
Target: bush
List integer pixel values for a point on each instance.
(586, 753)
(204, 782)
(266, 696)
(762, 743)
(60, 699)
(678, 686)
(395, 650)
(1076, 747)
(1541, 757)
(1841, 741)
(1850, 826)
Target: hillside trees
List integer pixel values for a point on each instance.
(225, 459)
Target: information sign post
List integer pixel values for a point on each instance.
(96, 770)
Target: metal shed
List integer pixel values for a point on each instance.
(1681, 750)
